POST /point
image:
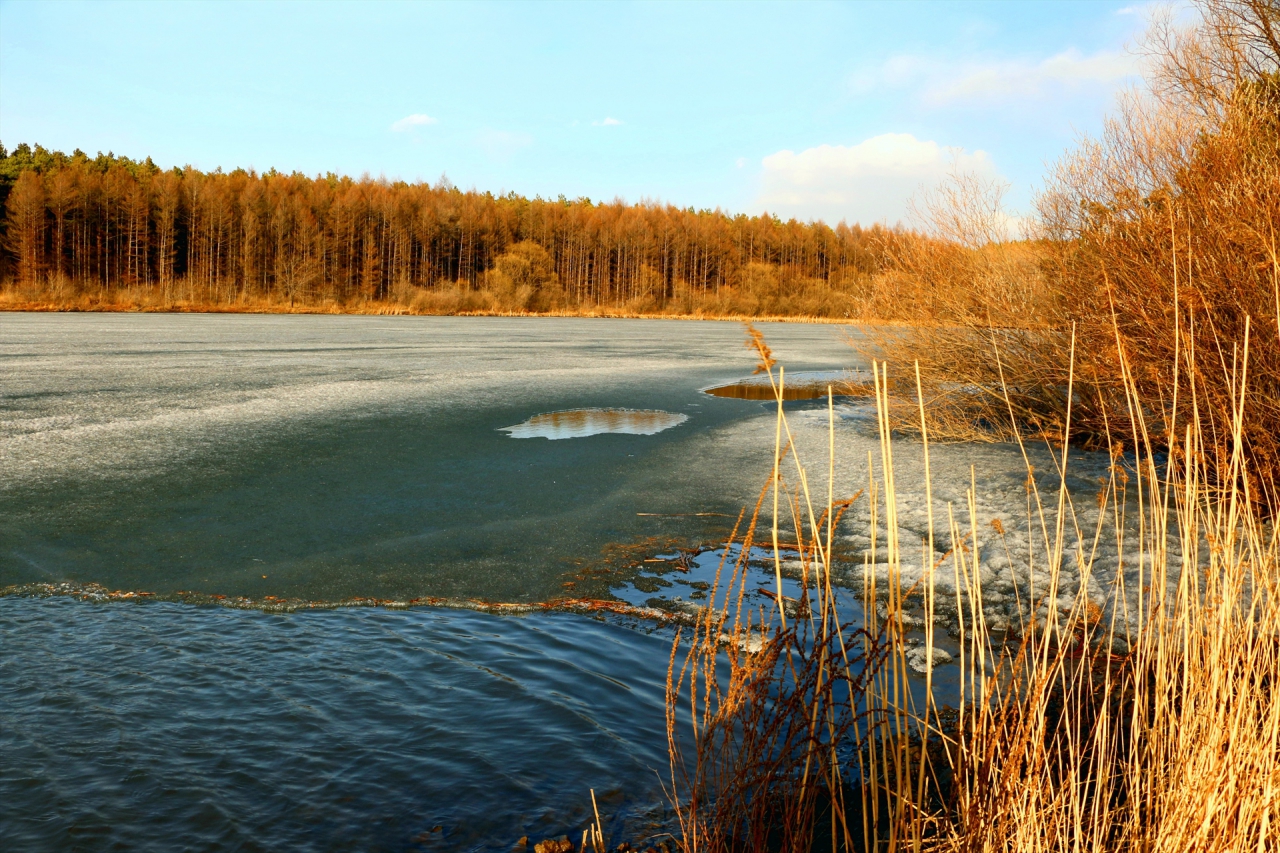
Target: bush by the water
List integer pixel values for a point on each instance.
(1157, 254)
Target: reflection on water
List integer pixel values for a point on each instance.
(798, 386)
(579, 423)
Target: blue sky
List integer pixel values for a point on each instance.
(814, 110)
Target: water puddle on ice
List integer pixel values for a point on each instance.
(580, 423)
(798, 386)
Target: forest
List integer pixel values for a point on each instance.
(111, 231)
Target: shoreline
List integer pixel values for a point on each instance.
(388, 310)
(396, 310)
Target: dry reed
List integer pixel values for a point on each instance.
(771, 706)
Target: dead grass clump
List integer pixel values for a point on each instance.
(1153, 729)
(447, 298)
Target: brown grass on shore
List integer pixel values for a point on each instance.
(41, 300)
(46, 299)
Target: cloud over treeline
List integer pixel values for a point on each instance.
(872, 181)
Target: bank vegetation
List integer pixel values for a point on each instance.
(1158, 260)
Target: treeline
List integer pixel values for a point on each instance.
(76, 225)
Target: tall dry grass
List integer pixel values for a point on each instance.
(1147, 722)
(772, 700)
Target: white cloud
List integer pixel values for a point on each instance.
(1142, 9)
(1181, 10)
(606, 122)
(410, 122)
(870, 182)
(939, 82)
(1017, 80)
(502, 145)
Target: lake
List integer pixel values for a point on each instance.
(283, 465)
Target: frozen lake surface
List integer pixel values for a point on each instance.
(322, 459)
(357, 456)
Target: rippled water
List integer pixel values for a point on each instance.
(160, 726)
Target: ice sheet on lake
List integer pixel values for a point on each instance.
(366, 422)
(1011, 529)
(127, 395)
(327, 458)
